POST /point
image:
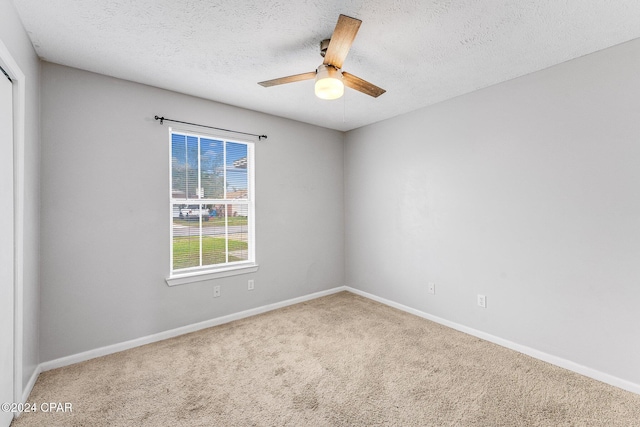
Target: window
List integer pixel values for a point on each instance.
(212, 206)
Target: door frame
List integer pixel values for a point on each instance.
(9, 64)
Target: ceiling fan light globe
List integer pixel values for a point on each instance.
(329, 83)
(329, 88)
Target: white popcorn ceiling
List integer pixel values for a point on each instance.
(420, 51)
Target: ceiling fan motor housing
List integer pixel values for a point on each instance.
(324, 44)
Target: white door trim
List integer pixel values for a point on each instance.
(19, 113)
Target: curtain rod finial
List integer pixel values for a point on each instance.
(160, 118)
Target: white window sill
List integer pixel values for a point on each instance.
(199, 276)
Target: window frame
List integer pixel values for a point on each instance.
(209, 272)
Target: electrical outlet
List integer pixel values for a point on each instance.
(431, 288)
(251, 285)
(216, 291)
(482, 301)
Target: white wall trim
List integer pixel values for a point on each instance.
(549, 358)
(232, 270)
(110, 349)
(103, 351)
(9, 64)
(30, 384)
(29, 387)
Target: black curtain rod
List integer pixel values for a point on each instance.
(162, 119)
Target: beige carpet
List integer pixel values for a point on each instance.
(341, 360)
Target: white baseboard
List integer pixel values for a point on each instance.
(110, 349)
(549, 358)
(31, 383)
(29, 386)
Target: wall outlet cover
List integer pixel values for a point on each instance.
(482, 301)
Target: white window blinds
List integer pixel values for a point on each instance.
(212, 203)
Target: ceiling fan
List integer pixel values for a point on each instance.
(330, 79)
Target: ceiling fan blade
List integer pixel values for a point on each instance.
(341, 40)
(289, 79)
(360, 85)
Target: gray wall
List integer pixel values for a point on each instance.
(526, 192)
(105, 220)
(15, 39)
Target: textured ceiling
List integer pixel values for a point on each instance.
(420, 51)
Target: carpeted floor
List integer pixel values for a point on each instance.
(340, 360)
